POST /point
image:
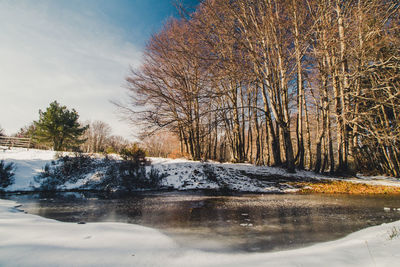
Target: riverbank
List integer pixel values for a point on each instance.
(182, 174)
(344, 187)
(30, 240)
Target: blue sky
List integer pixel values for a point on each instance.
(74, 51)
(137, 19)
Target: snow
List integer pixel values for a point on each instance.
(180, 174)
(29, 163)
(29, 240)
(376, 180)
(238, 176)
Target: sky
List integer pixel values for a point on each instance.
(73, 51)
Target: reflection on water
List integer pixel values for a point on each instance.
(225, 223)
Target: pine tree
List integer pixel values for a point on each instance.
(59, 127)
(7, 171)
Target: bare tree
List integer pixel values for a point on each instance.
(96, 137)
(308, 84)
(161, 144)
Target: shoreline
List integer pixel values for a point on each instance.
(301, 187)
(183, 175)
(31, 240)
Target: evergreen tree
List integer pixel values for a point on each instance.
(7, 171)
(59, 127)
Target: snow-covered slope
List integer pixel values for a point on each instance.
(183, 174)
(29, 240)
(179, 174)
(29, 163)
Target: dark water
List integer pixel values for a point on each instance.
(225, 223)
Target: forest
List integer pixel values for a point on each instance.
(308, 84)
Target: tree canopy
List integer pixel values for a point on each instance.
(59, 127)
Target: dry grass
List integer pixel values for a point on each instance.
(343, 187)
(394, 233)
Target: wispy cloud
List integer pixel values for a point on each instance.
(51, 54)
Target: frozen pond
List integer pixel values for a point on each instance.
(225, 223)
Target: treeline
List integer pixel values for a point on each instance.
(308, 84)
(97, 138)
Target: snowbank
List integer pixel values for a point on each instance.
(180, 174)
(29, 163)
(29, 240)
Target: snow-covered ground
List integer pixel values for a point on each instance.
(180, 174)
(29, 163)
(30, 240)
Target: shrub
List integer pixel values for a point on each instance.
(111, 179)
(114, 175)
(134, 154)
(6, 174)
(109, 150)
(126, 176)
(155, 178)
(47, 182)
(132, 176)
(76, 165)
(65, 169)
